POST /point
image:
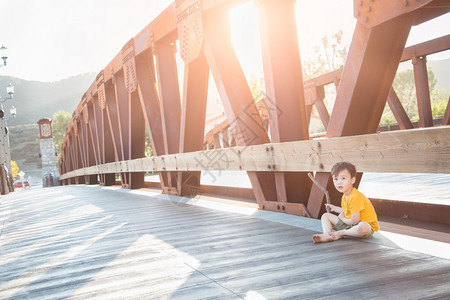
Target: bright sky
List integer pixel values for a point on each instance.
(50, 40)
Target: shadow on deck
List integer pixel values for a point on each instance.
(83, 242)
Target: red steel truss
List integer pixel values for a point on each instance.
(138, 91)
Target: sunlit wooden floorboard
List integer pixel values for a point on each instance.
(84, 242)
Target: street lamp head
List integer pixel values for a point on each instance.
(4, 57)
(10, 90)
(13, 111)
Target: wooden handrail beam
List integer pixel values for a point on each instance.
(425, 150)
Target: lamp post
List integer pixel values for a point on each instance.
(5, 153)
(4, 57)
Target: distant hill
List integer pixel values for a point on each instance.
(35, 99)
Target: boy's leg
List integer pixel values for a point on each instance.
(360, 230)
(328, 220)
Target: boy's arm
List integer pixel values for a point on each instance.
(354, 219)
(335, 208)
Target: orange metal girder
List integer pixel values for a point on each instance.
(106, 144)
(137, 138)
(89, 150)
(135, 118)
(399, 112)
(92, 125)
(422, 91)
(122, 114)
(113, 119)
(284, 89)
(112, 111)
(169, 97)
(148, 96)
(192, 131)
(99, 129)
(446, 118)
(236, 96)
(367, 77)
(426, 48)
(78, 148)
(370, 13)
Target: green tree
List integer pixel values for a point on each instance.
(60, 122)
(148, 145)
(404, 87)
(257, 87)
(328, 56)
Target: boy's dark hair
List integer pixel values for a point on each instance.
(343, 165)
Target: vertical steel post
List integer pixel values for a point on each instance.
(367, 77)
(169, 96)
(422, 91)
(148, 96)
(284, 89)
(124, 124)
(195, 93)
(236, 96)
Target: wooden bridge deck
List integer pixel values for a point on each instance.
(81, 242)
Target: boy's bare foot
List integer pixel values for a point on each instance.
(337, 235)
(322, 238)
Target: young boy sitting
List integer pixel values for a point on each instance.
(356, 217)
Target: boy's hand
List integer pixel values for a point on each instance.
(331, 206)
(334, 208)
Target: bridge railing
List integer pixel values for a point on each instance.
(138, 91)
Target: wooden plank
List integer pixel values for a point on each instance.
(424, 150)
(86, 242)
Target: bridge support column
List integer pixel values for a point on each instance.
(148, 96)
(422, 91)
(367, 77)
(236, 96)
(169, 101)
(284, 90)
(195, 92)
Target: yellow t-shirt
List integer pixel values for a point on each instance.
(357, 202)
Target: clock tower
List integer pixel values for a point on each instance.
(50, 172)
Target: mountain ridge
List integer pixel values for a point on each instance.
(38, 99)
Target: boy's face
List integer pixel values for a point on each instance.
(343, 182)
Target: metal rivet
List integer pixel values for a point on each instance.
(321, 166)
(369, 8)
(271, 148)
(269, 166)
(273, 167)
(282, 207)
(278, 207)
(360, 3)
(240, 167)
(267, 149)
